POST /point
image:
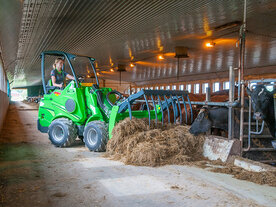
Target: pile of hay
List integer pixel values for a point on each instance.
(134, 143)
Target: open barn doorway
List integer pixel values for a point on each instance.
(18, 94)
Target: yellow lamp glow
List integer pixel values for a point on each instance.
(161, 57)
(131, 65)
(210, 44)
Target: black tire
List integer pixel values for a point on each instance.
(96, 136)
(62, 132)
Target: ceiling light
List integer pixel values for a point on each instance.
(210, 44)
(131, 65)
(98, 73)
(111, 70)
(88, 76)
(161, 57)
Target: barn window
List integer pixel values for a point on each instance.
(196, 88)
(156, 87)
(204, 87)
(146, 88)
(174, 87)
(138, 89)
(168, 87)
(189, 88)
(181, 87)
(226, 85)
(151, 88)
(162, 87)
(215, 86)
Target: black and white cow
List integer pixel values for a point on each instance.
(263, 106)
(213, 118)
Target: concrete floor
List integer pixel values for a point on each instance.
(35, 173)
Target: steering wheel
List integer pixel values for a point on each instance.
(60, 88)
(80, 78)
(116, 93)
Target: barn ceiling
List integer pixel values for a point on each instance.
(123, 31)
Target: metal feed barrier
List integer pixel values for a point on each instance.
(175, 98)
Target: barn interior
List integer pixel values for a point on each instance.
(166, 58)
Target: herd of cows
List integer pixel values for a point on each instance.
(216, 118)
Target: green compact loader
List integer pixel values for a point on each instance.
(90, 112)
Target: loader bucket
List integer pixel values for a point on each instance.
(158, 104)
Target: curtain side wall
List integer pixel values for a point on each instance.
(4, 99)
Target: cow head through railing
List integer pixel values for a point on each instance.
(263, 105)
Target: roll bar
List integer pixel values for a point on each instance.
(68, 57)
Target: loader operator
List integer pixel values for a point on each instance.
(58, 75)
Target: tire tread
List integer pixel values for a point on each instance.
(103, 127)
(72, 130)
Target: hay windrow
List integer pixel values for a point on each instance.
(263, 178)
(135, 143)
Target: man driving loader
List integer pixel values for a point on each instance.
(57, 74)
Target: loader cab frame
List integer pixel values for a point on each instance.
(68, 57)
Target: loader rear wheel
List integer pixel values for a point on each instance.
(62, 132)
(95, 136)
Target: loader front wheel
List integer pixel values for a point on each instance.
(62, 132)
(96, 136)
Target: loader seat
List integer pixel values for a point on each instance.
(49, 87)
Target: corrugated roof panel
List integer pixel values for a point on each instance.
(121, 31)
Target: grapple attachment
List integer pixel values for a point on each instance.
(160, 105)
(159, 101)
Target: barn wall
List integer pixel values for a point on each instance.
(252, 73)
(115, 85)
(4, 99)
(211, 81)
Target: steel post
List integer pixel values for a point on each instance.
(208, 94)
(242, 114)
(231, 100)
(43, 72)
(242, 55)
